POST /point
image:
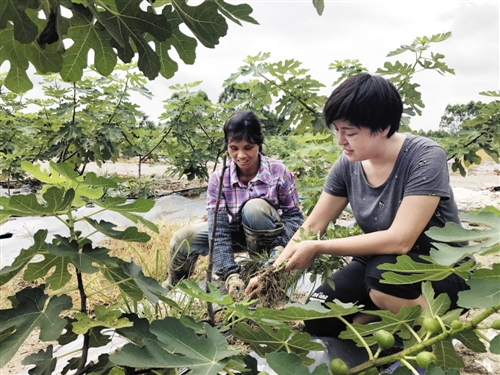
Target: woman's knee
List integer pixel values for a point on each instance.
(258, 214)
(392, 303)
(191, 239)
(330, 327)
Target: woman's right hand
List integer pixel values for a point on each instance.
(251, 289)
(300, 255)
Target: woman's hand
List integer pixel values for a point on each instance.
(300, 255)
(251, 289)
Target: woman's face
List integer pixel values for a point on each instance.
(359, 143)
(245, 155)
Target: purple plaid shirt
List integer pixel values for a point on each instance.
(273, 182)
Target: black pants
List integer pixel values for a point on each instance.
(354, 282)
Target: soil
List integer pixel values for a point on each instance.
(478, 189)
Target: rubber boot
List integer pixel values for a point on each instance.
(260, 241)
(181, 267)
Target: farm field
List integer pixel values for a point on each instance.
(478, 189)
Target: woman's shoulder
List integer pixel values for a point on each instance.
(216, 175)
(421, 149)
(419, 141)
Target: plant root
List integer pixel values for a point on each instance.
(272, 286)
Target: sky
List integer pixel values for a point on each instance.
(363, 30)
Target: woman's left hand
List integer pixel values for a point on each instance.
(300, 255)
(251, 289)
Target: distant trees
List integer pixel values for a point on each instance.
(455, 115)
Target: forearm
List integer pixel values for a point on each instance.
(376, 243)
(309, 226)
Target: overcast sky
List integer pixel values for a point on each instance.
(363, 30)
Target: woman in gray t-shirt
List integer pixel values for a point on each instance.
(398, 187)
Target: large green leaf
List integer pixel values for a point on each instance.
(86, 35)
(203, 20)
(25, 30)
(184, 45)
(44, 362)
(149, 286)
(128, 22)
(60, 275)
(452, 232)
(130, 234)
(195, 290)
(117, 275)
(407, 271)
(24, 257)
(175, 346)
(236, 12)
(290, 364)
(310, 311)
(56, 201)
(495, 345)
(83, 258)
(434, 370)
(436, 306)
(96, 337)
(132, 281)
(390, 322)
(44, 176)
(471, 341)
(62, 175)
(31, 310)
(127, 209)
(492, 273)
(482, 294)
(268, 340)
(447, 357)
(19, 55)
(108, 317)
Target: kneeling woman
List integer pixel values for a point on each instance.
(398, 187)
(258, 209)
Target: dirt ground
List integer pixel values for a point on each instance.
(478, 189)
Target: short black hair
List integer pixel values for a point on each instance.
(365, 100)
(243, 125)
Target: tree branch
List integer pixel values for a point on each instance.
(211, 243)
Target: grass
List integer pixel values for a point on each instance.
(153, 256)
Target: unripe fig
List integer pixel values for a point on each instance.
(338, 367)
(425, 358)
(456, 324)
(495, 324)
(431, 325)
(385, 340)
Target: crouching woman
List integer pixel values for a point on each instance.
(397, 185)
(258, 209)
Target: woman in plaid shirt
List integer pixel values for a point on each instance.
(258, 209)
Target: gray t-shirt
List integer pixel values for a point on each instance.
(421, 169)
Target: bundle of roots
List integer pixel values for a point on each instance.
(273, 285)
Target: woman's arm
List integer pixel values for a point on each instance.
(411, 219)
(327, 209)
